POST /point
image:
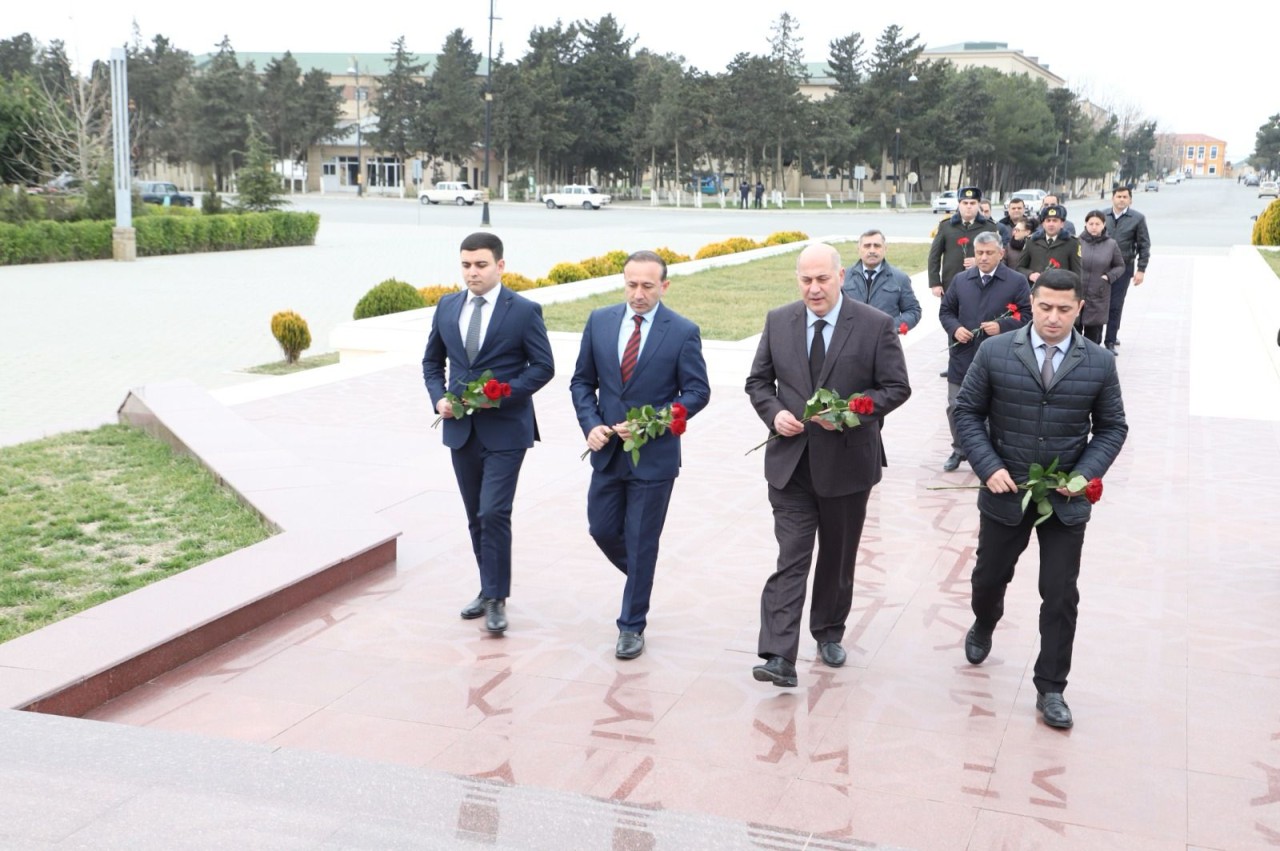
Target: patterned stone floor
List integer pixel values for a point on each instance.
(1176, 686)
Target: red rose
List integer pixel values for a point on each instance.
(962, 241)
(862, 405)
(1093, 490)
(506, 389)
(1011, 307)
(678, 426)
(1054, 263)
(903, 329)
(678, 411)
(1017, 314)
(492, 389)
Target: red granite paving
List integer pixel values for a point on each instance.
(1176, 686)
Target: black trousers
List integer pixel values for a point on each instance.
(999, 547)
(800, 516)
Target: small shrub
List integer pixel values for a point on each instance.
(390, 296)
(516, 282)
(782, 237)
(670, 257)
(431, 295)
(713, 249)
(1266, 230)
(545, 282)
(292, 333)
(607, 264)
(741, 243)
(565, 273)
(211, 203)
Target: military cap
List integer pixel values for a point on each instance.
(971, 193)
(1057, 211)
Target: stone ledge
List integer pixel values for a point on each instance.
(324, 540)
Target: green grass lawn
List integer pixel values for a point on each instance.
(281, 368)
(730, 303)
(1273, 260)
(88, 516)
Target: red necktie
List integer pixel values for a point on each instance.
(632, 352)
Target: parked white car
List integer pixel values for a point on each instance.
(947, 202)
(574, 195)
(449, 192)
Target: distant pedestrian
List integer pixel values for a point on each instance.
(1017, 243)
(1100, 264)
(1128, 228)
(744, 190)
(759, 194)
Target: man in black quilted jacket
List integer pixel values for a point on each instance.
(1014, 411)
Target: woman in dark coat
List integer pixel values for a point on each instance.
(1101, 263)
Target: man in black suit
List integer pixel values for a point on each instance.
(1041, 393)
(635, 354)
(819, 478)
(488, 327)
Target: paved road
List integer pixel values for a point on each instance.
(75, 336)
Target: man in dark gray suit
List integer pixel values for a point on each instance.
(873, 281)
(819, 478)
(1041, 393)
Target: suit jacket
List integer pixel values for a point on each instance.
(670, 369)
(892, 292)
(865, 356)
(517, 351)
(1006, 417)
(966, 303)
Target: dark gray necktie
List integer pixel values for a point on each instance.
(817, 352)
(986, 279)
(473, 328)
(1046, 368)
(871, 276)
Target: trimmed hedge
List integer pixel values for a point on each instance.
(390, 296)
(184, 233)
(1266, 230)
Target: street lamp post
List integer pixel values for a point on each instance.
(355, 69)
(488, 110)
(903, 77)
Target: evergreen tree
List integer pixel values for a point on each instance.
(280, 108)
(454, 107)
(159, 79)
(402, 130)
(258, 183)
(217, 113)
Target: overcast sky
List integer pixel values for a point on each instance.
(1191, 77)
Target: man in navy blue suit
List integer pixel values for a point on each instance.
(635, 354)
(488, 327)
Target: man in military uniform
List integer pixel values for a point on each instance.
(952, 249)
(1053, 249)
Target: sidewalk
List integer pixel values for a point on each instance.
(437, 735)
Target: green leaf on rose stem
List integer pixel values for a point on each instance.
(1034, 473)
(1026, 500)
(1045, 507)
(649, 412)
(1040, 489)
(629, 444)
(635, 457)
(849, 418)
(455, 407)
(1077, 483)
(1053, 468)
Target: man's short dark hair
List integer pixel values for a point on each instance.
(648, 257)
(481, 240)
(1058, 279)
(1120, 187)
(872, 232)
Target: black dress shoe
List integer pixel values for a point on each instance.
(778, 671)
(495, 616)
(1054, 709)
(942, 374)
(977, 644)
(474, 609)
(630, 645)
(952, 462)
(832, 653)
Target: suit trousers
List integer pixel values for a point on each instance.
(1119, 289)
(953, 390)
(800, 514)
(487, 481)
(625, 516)
(999, 547)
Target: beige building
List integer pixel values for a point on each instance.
(997, 55)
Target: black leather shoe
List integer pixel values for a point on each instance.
(1054, 709)
(495, 616)
(832, 653)
(630, 645)
(474, 609)
(942, 374)
(977, 644)
(952, 462)
(778, 671)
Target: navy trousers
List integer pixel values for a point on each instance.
(487, 481)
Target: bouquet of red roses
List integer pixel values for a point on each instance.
(1010, 311)
(841, 412)
(1041, 480)
(480, 394)
(646, 423)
